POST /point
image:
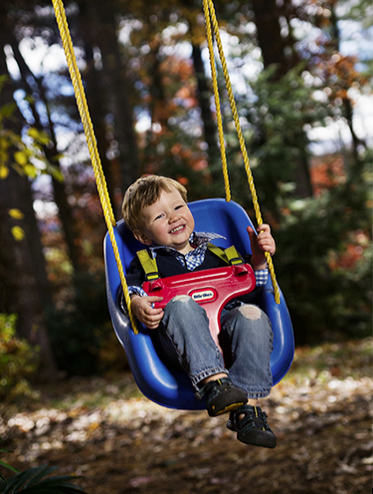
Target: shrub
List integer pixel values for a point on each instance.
(18, 360)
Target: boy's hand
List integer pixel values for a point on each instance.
(143, 310)
(261, 243)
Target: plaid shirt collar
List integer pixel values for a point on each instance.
(194, 258)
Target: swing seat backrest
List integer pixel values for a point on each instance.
(168, 386)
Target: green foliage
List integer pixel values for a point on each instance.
(39, 480)
(78, 331)
(18, 361)
(276, 115)
(328, 293)
(6, 465)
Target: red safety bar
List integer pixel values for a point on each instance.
(212, 288)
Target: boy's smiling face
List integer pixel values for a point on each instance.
(167, 222)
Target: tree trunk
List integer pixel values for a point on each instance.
(97, 99)
(25, 288)
(204, 96)
(98, 27)
(269, 36)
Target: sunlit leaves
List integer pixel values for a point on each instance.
(24, 154)
(38, 136)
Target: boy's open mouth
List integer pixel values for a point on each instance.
(177, 229)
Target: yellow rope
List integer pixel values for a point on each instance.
(91, 142)
(210, 13)
(217, 102)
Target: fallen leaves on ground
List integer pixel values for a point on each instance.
(321, 413)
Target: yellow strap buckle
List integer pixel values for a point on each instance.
(148, 264)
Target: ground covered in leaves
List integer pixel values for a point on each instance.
(104, 430)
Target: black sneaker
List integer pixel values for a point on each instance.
(251, 426)
(222, 396)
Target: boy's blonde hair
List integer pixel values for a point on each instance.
(145, 192)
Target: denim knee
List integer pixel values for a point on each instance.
(182, 303)
(248, 319)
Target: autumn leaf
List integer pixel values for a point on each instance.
(30, 170)
(39, 136)
(18, 233)
(4, 172)
(16, 214)
(21, 157)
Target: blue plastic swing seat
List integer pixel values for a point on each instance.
(171, 387)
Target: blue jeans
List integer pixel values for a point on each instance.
(246, 336)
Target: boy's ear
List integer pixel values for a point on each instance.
(141, 237)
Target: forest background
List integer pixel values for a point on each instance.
(299, 71)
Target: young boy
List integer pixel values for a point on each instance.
(155, 209)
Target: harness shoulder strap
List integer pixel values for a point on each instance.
(229, 256)
(149, 265)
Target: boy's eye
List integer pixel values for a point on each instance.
(178, 207)
(158, 217)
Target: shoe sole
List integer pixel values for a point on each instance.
(264, 441)
(228, 408)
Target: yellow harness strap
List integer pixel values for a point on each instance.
(149, 265)
(229, 256)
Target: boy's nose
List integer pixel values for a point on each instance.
(173, 217)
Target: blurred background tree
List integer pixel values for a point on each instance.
(301, 73)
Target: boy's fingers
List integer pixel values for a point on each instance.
(152, 321)
(154, 299)
(264, 228)
(152, 311)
